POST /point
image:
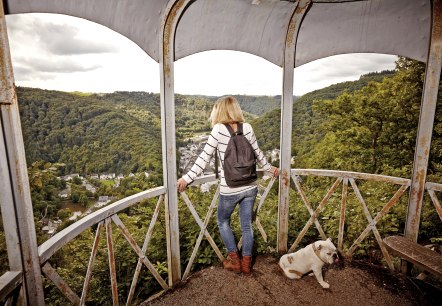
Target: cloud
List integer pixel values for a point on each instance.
(45, 47)
(67, 53)
(345, 67)
(22, 73)
(57, 38)
(57, 65)
(28, 76)
(64, 39)
(339, 68)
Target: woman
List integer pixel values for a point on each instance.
(227, 111)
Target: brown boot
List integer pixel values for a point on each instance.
(232, 263)
(246, 265)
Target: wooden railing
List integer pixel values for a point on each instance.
(104, 218)
(345, 179)
(262, 194)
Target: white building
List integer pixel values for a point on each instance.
(107, 176)
(69, 177)
(90, 187)
(64, 194)
(103, 198)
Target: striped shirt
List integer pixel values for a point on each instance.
(219, 138)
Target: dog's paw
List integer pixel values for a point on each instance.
(325, 285)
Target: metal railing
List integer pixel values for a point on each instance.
(262, 194)
(104, 218)
(344, 178)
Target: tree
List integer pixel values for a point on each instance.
(372, 129)
(45, 187)
(77, 181)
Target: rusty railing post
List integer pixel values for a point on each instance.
(425, 128)
(167, 56)
(15, 198)
(300, 9)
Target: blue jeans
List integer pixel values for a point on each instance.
(226, 205)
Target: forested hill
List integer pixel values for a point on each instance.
(120, 132)
(254, 105)
(116, 132)
(91, 133)
(369, 125)
(259, 105)
(267, 126)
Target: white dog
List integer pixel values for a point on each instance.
(310, 258)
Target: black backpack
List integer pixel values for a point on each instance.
(239, 159)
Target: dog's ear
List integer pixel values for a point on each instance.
(329, 239)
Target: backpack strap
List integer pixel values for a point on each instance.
(229, 129)
(239, 127)
(216, 164)
(239, 130)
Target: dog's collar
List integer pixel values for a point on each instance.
(318, 253)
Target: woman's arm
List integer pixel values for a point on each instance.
(201, 161)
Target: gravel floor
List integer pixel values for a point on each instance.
(350, 284)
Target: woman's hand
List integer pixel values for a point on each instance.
(181, 185)
(274, 171)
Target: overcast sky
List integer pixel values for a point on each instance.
(71, 54)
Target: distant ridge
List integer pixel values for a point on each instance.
(267, 126)
(120, 132)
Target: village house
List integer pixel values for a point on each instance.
(70, 177)
(50, 228)
(103, 199)
(64, 194)
(90, 187)
(107, 176)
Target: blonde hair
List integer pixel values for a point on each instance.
(226, 110)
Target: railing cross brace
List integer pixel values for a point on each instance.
(202, 226)
(202, 232)
(91, 263)
(308, 205)
(378, 217)
(138, 250)
(316, 213)
(372, 224)
(64, 288)
(436, 203)
(144, 249)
